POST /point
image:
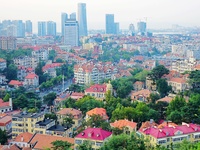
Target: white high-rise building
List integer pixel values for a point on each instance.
(71, 33)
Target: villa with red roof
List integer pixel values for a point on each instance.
(165, 99)
(138, 85)
(97, 111)
(76, 95)
(31, 80)
(178, 84)
(141, 96)
(165, 135)
(51, 68)
(126, 125)
(98, 90)
(5, 122)
(15, 83)
(6, 106)
(96, 136)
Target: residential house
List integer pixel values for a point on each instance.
(22, 140)
(31, 80)
(138, 85)
(125, 125)
(6, 106)
(26, 61)
(61, 98)
(15, 83)
(166, 135)
(41, 54)
(96, 136)
(97, 111)
(141, 96)
(166, 99)
(99, 90)
(3, 64)
(178, 84)
(76, 115)
(76, 95)
(5, 123)
(3, 80)
(51, 68)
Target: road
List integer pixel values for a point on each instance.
(57, 89)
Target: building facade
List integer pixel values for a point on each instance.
(64, 17)
(41, 28)
(51, 28)
(110, 24)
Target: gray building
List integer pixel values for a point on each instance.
(64, 17)
(72, 16)
(110, 24)
(141, 27)
(41, 28)
(71, 34)
(51, 28)
(82, 19)
(20, 28)
(28, 27)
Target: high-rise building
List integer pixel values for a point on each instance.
(71, 35)
(141, 27)
(51, 28)
(28, 27)
(116, 28)
(82, 19)
(41, 28)
(73, 16)
(6, 23)
(12, 30)
(20, 28)
(131, 29)
(110, 24)
(64, 17)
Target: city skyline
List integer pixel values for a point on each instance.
(159, 14)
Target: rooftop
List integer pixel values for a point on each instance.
(45, 122)
(28, 115)
(123, 123)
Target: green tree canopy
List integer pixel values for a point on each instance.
(3, 137)
(158, 72)
(49, 98)
(61, 145)
(163, 87)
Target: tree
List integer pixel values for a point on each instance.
(68, 121)
(154, 97)
(49, 98)
(158, 72)
(20, 102)
(51, 116)
(195, 79)
(117, 131)
(163, 87)
(86, 145)
(6, 97)
(124, 141)
(34, 103)
(11, 72)
(61, 145)
(59, 60)
(52, 55)
(3, 137)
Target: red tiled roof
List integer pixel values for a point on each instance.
(2, 60)
(24, 137)
(5, 120)
(139, 83)
(76, 95)
(15, 82)
(178, 80)
(100, 88)
(31, 76)
(165, 99)
(123, 123)
(53, 65)
(68, 111)
(3, 104)
(94, 134)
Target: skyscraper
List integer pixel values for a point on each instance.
(71, 35)
(64, 18)
(41, 28)
(28, 27)
(82, 19)
(73, 16)
(20, 27)
(116, 28)
(131, 29)
(51, 28)
(110, 24)
(141, 27)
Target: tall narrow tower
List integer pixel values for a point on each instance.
(82, 19)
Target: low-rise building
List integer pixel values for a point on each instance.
(166, 135)
(76, 115)
(5, 123)
(178, 84)
(31, 80)
(138, 85)
(3, 64)
(96, 136)
(141, 96)
(6, 106)
(125, 125)
(41, 54)
(15, 83)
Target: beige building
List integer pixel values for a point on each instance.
(7, 43)
(178, 84)
(90, 72)
(26, 61)
(138, 85)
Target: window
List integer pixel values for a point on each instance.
(78, 141)
(98, 143)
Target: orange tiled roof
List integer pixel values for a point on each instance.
(98, 111)
(144, 92)
(165, 99)
(31, 76)
(178, 80)
(123, 123)
(44, 141)
(148, 124)
(167, 124)
(67, 111)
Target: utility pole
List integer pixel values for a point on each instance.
(63, 84)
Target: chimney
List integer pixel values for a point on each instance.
(22, 138)
(10, 102)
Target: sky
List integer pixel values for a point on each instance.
(159, 13)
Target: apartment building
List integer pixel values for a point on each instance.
(31, 80)
(182, 66)
(32, 123)
(90, 72)
(8, 43)
(26, 62)
(178, 84)
(41, 54)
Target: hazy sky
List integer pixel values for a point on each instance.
(159, 13)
